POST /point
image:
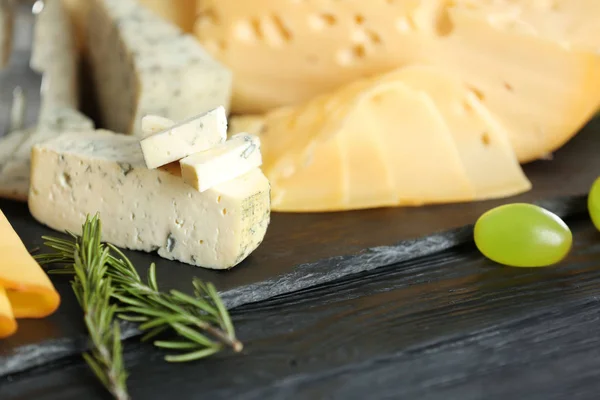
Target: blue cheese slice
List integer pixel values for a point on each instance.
(194, 135)
(142, 64)
(142, 209)
(222, 163)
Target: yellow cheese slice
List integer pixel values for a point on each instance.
(540, 90)
(8, 324)
(482, 142)
(393, 146)
(30, 292)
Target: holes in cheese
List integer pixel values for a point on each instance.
(27, 287)
(542, 88)
(413, 136)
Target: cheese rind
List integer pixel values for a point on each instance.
(222, 163)
(194, 135)
(142, 65)
(141, 209)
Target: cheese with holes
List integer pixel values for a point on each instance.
(142, 65)
(222, 163)
(191, 136)
(30, 292)
(482, 143)
(142, 209)
(541, 90)
(410, 137)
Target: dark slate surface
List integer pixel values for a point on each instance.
(447, 326)
(304, 250)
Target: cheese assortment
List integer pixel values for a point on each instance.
(541, 90)
(141, 64)
(25, 290)
(54, 55)
(175, 142)
(223, 162)
(146, 209)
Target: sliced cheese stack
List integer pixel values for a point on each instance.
(414, 136)
(146, 209)
(142, 64)
(25, 290)
(539, 89)
(199, 145)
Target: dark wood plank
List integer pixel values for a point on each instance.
(448, 326)
(304, 250)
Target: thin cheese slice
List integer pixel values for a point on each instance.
(222, 163)
(410, 155)
(30, 292)
(8, 324)
(191, 136)
(482, 143)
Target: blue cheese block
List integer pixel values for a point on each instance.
(142, 64)
(146, 209)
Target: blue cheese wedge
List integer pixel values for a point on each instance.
(183, 139)
(142, 209)
(222, 163)
(144, 65)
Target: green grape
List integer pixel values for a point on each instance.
(594, 203)
(522, 235)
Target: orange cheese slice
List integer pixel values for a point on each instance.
(23, 282)
(8, 325)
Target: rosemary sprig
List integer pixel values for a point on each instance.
(201, 321)
(88, 261)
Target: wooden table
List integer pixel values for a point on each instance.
(448, 326)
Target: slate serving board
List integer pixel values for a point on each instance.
(300, 250)
(305, 250)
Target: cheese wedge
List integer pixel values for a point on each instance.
(390, 146)
(141, 209)
(143, 65)
(222, 163)
(540, 90)
(191, 136)
(483, 144)
(30, 292)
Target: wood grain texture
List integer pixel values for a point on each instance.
(448, 326)
(305, 250)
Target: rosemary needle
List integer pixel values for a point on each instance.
(107, 284)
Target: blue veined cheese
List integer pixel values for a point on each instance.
(142, 64)
(15, 169)
(142, 209)
(191, 136)
(222, 163)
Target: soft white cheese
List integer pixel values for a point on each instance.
(188, 137)
(141, 209)
(222, 163)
